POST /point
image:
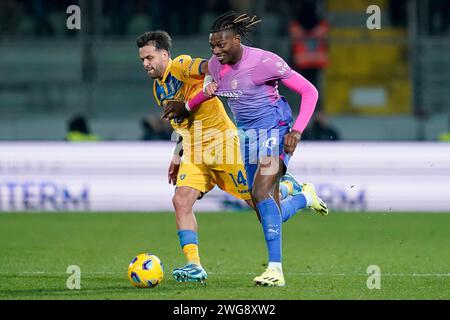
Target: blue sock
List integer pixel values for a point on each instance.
(284, 191)
(187, 237)
(291, 205)
(271, 223)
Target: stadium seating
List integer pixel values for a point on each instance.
(369, 70)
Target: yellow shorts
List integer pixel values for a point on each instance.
(221, 165)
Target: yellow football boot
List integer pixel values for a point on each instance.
(272, 277)
(317, 204)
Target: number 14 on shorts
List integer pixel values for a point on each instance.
(239, 179)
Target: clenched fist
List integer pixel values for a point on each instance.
(291, 140)
(174, 109)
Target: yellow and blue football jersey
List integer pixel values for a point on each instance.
(181, 81)
(210, 141)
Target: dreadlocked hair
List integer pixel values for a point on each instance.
(242, 24)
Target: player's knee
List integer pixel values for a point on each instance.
(260, 194)
(181, 204)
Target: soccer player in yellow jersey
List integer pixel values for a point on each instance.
(209, 140)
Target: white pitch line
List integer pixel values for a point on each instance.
(322, 274)
(303, 274)
(58, 273)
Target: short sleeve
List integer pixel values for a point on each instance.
(271, 67)
(188, 67)
(213, 67)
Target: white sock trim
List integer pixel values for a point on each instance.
(276, 265)
(308, 197)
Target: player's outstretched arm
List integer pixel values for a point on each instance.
(209, 86)
(179, 109)
(176, 109)
(273, 67)
(309, 94)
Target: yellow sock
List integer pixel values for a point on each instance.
(191, 253)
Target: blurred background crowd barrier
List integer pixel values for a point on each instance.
(132, 176)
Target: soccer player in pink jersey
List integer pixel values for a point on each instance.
(248, 77)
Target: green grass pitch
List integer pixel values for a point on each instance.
(324, 257)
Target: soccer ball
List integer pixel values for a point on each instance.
(145, 271)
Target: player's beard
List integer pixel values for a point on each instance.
(153, 73)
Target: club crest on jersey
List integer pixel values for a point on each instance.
(182, 176)
(234, 84)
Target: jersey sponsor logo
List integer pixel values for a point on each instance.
(283, 67)
(229, 94)
(190, 67)
(44, 195)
